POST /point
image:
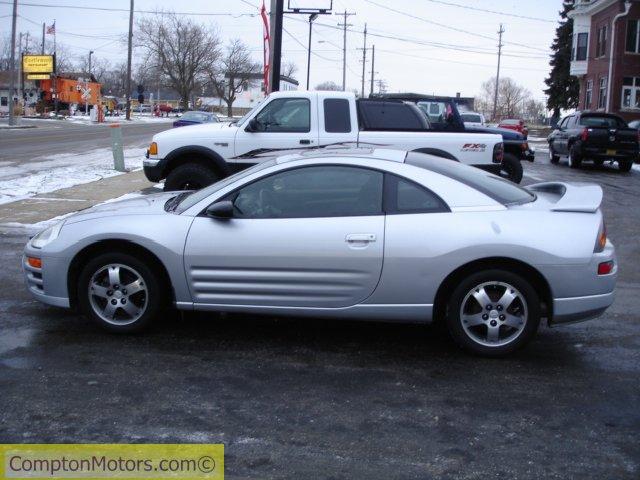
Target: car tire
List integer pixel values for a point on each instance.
(511, 168)
(493, 328)
(575, 160)
(189, 176)
(553, 158)
(109, 305)
(625, 165)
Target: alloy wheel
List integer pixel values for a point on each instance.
(493, 314)
(118, 294)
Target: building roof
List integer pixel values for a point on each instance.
(259, 76)
(77, 75)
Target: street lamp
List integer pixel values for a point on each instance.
(312, 17)
(90, 53)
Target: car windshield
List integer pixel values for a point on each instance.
(195, 116)
(471, 117)
(601, 121)
(191, 199)
(510, 122)
(248, 114)
(501, 190)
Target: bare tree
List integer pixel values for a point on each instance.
(289, 69)
(181, 50)
(99, 66)
(331, 86)
(236, 72)
(511, 98)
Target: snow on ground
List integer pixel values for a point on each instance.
(85, 120)
(53, 172)
(636, 167)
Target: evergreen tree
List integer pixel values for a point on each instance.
(564, 89)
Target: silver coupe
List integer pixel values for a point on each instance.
(351, 233)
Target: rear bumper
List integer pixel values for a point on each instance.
(576, 309)
(601, 154)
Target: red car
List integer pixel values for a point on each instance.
(515, 124)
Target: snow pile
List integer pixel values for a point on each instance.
(53, 172)
(85, 120)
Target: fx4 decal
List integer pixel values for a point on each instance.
(473, 147)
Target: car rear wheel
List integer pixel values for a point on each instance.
(493, 313)
(625, 165)
(575, 160)
(189, 176)
(120, 292)
(511, 168)
(553, 158)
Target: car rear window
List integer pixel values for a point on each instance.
(499, 189)
(605, 121)
(469, 117)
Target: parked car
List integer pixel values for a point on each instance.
(308, 234)
(635, 124)
(594, 136)
(444, 116)
(515, 124)
(196, 118)
(472, 119)
(198, 156)
(142, 108)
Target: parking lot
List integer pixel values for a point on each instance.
(340, 399)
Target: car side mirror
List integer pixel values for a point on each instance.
(253, 125)
(220, 210)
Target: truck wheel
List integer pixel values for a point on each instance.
(625, 165)
(511, 168)
(575, 160)
(190, 176)
(553, 158)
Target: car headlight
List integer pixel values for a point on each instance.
(46, 236)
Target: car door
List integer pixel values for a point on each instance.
(286, 122)
(563, 135)
(304, 237)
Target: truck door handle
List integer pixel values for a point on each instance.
(305, 142)
(360, 238)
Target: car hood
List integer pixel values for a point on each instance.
(203, 130)
(130, 205)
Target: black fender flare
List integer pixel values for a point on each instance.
(195, 154)
(437, 153)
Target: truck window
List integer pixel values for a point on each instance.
(601, 121)
(381, 115)
(337, 115)
(285, 115)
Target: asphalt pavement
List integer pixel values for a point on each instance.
(52, 136)
(301, 398)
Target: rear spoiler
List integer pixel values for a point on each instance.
(585, 198)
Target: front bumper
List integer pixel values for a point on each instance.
(35, 282)
(153, 169)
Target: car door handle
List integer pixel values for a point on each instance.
(305, 141)
(360, 238)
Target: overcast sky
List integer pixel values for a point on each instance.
(448, 49)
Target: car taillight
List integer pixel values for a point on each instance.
(498, 152)
(605, 268)
(601, 241)
(584, 136)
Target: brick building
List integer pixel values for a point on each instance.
(606, 55)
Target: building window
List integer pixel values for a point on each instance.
(4, 101)
(631, 92)
(633, 36)
(581, 46)
(588, 96)
(601, 42)
(602, 92)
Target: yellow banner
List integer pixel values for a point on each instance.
(37, 63)
(38, 76)
(122, 461)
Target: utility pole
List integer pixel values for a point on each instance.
(42, 50)
(12, 69)
(312, 17)
(364, 59)
(373, 61)
(495, 96)
(275, 54)
(86, 86)
(344, 26)
(130, 46)
(20, 72)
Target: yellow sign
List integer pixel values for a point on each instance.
(37, 63)
(121, 461)
(38, 76)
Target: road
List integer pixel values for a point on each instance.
(53, 136)
(301, 398)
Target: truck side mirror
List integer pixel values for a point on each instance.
(253, 125)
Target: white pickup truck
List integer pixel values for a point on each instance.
(195, 156)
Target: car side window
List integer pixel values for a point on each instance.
(571, 122)
(319, 191)
(563, 122)
(337, 115)
(405, 196)
(285, 115)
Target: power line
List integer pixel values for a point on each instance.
(304, 46)
(504, 14)
(448, 27)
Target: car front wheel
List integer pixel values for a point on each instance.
(493, 313)
(553, 158)
(189, 176)
(625, 165)
(120, 292)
